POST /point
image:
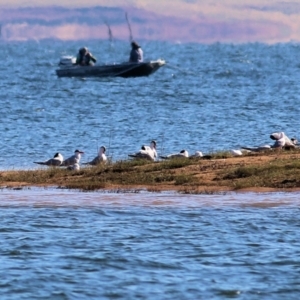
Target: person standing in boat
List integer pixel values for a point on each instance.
(85, 58)
(136, 53)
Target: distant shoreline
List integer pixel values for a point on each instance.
(270, 23)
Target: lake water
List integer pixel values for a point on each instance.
(208, 98)
(58, 244)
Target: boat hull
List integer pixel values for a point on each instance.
(119, 70)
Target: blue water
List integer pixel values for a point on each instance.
(208, 98)
(58, 244)
(67, 245)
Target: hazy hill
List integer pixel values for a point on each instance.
(88, 23)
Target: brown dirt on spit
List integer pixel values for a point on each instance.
(208, 176)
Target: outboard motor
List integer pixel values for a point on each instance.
(67, 61)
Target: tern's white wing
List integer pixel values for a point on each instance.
(142, 154)
(181, 154)
(101, 158)
(196, 154)
(258, 149)
(282, 140)
(146, 152)
(70, 161)
(97, 160)
(236, 152)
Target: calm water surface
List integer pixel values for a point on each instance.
(58, 244)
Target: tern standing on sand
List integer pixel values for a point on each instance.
(282, 141)
(74, 159)
(146, 152)
(101, 158)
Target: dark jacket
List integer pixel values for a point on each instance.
(136, 53)
(85, 59)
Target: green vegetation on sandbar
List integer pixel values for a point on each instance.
(221, 170)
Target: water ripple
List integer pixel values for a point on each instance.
(68, 244)
(251, 86)
(58, 244)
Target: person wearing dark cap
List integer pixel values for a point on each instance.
(85, 58)
(136, 53)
